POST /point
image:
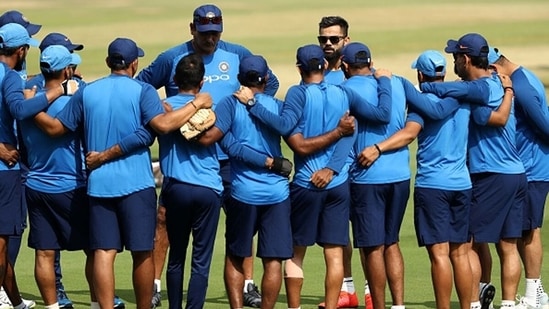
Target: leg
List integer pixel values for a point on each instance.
(143, 278)
(293, 277)
(44, 274)
(459, 256)
(103, 276)
(441, 273)
(10, 286)
(234, 280)
(271, 282)
(486, 263)
(395, 273)
(161, 242)
(373, 264)
(14, 245)
(333, 258)
(531, 253)
(476, 271)
(89, 275)
(510, 267)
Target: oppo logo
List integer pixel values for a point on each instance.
(215, 78)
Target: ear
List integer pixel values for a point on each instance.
(192, 28)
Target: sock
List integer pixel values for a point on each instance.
(508, 304)
(398, 307)
(246, 284)
(20, 306)
(94, 305)
(52, 306)
(348, 285)
(296, 308)
(482, 285)
(540, 287)
(475, 305)
(531, 293)
(157, 283)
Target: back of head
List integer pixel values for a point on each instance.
(252, 71)
(310, 59)
(55, 59)
(431, 64)
(356, 55)
(473, 45)
(122, 52)
(208, 17)
(18, 18)
(189, 72)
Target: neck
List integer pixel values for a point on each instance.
(193, 91)
(314, 78)
(334, 64)
(476, 73)
(122, 72)
(52, 83)
(509, 68)
(9, 61)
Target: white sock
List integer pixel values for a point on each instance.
(52, 306)
(94, 305)
(475, 305)
(366, 288)
(20, 306)
(531, 293)
(158, 284)
(246, 284)
(296, 308)
(398, 307)
(540, 287)
(348, 285)
(508, 304)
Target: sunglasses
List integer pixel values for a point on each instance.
(207, 20)
(334, 39)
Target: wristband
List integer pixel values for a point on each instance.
(192, 103)
(505, 88)
(378, 149)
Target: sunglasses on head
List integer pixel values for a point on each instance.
(334, 39)
(207, 20)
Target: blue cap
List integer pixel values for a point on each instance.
(208, 18)
(57, 57)
(125, 50)
(431, 63)
(18, 18)
(472, 44)
(15, 35)
(493, 55)
(356, 53)
(307, 53)
(55, 38)
(253, 63)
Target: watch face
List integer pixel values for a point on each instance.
(251, 102)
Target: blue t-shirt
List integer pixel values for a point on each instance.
(108, 114)
(188, 161)
(334, 77)
(56, 164)
(251, 184)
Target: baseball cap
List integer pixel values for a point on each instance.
(208, 18)
(306, 54)
(125, 50)
(472, 44)
(56, 58)
(431, 63)
(493, 55)
(253, 63)
(356, 52)
(55, 38)
(15, 35)
(18, 18)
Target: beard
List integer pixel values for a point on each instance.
(335, 54)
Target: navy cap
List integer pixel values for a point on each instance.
(431, 63)
(55, 38)
(126, 49)
(472, 44)
(253, 63)
(306, 54)
(56, 57)
(356, 53)
(208, 18)
(18, 18)
(15, 35)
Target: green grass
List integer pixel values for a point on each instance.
(395, 30)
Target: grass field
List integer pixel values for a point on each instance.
(396, 31)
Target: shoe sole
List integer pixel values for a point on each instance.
(487, 296)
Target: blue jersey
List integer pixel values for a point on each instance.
(55, 164)
(108, 114)
(250, 184)
(491, 149)
(532, 116)
(334, 77)
(323, 106)
(392, 166)
(188, 161)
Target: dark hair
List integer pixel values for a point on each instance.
(480, 62)
(8, 51)
(51, 75)
(252, 79)
(314, 65)
(116, 62)
(329, 21)
(361, 55)
(189, 72)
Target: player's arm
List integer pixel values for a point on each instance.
(485, 115)
(366, 111)
(166, 122)
(533, 106)
(68, 119)
(475, 91)
(341, 152)
(433, 109)
(401, 138)
(158, 73)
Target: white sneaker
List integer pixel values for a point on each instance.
(523, 304)
(4, 300)
(544, 300)
(29, 303)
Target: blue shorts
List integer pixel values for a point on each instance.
(225, 173)
(10, 203)
(535, 205)
(497, 206)
(271, 222)
(441, 216)
(320, 217)
(377, 211)
(58, 221)
(123, 222)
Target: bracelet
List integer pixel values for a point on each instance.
(192, 103)
(378, 149)
(505, 88)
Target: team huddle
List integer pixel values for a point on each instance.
(76, 154)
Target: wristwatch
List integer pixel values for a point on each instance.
(251, 102)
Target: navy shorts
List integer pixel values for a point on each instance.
(225, 173)
(10, 203)
(58, 221)
(123, 222)
(320, 216)
(377, 211)
(535, 205)
(271, 222)
(441, 216)
(497, 206)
